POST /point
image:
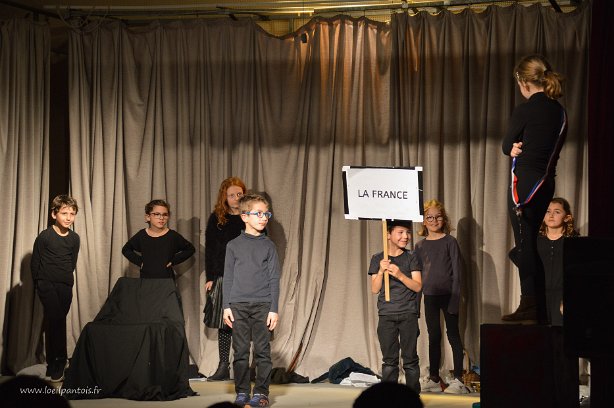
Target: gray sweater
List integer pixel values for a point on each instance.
(442, 271)
(251, 271)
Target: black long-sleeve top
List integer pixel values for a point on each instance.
(152, 254)
(551, 254)
(216, 239)
(54, 257)
(541, 125)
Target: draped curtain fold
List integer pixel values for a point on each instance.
(24, 174)
(171, 109)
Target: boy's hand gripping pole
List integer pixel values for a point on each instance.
(386, 277)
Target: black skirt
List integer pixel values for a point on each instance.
(214, 314)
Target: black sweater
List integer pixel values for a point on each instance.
(152, 254)
(216, 238)
(540, 124)
(54, 257)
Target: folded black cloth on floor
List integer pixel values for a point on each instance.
(342, 369)
(136, 347)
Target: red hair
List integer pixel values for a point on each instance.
(221, 205)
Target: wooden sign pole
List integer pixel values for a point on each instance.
(386, 277)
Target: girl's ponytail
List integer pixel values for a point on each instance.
(553, 84)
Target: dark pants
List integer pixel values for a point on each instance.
(396, 332)
(56, 298)
(432, 305)
(526, 230)
(250, 326)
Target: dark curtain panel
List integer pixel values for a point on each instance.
(600, 122)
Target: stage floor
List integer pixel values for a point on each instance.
(282, 396)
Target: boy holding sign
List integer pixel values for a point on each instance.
(398, 318)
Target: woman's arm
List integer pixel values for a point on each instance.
(514, 133)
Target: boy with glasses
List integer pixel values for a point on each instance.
(157, 248)
(250, 299)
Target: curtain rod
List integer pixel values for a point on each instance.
(265, 13)
(31, 9)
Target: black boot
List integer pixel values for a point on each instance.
(222, 373)
(527, 310)
(57, 370)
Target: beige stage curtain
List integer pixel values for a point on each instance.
(24, 174)
(171, 109)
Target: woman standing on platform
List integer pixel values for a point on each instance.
(224, 225)
(534, 140)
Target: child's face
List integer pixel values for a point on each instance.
(64, 217)
(254, 225)
(555, 216)
(158, 217)
(233, 194)
(399, 236)
(433, 220)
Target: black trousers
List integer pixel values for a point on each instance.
(399, 331)
(250, 326)
(526, 229)
(433, 304)
(56, 298)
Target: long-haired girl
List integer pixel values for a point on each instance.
(441, 286)
(224, 225)
(558, 223)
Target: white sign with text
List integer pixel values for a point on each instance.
(383, 193)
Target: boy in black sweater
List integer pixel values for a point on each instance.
(54, 258)
(250, 299)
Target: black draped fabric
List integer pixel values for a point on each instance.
(135, 348)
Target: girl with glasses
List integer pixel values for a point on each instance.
(441, 286)
(157, 248)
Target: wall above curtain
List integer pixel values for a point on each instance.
(277, 18)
